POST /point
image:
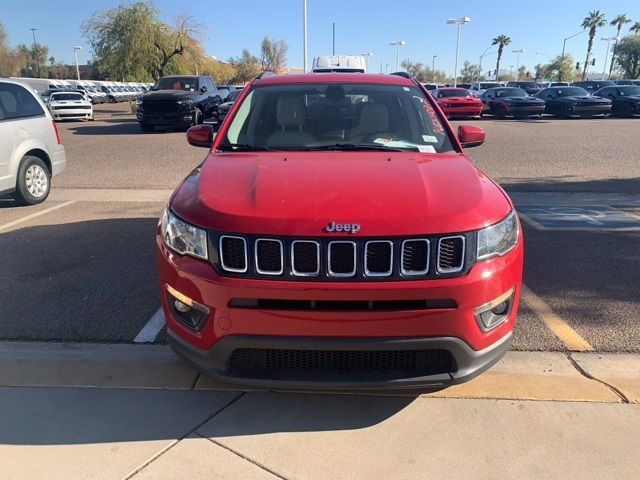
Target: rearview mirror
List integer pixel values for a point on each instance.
(201, 136)
(470, 136)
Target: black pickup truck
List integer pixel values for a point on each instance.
(178, 101)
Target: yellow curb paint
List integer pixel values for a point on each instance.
(561, 329)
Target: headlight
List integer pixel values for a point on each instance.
(139, 100)
(498, 239)
(182, 237)
(185, 103)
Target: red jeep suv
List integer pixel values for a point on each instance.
(337, 237)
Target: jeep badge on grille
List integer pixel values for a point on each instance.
(342, 227)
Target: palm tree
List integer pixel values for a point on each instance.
(502, 41)
(635, 28)
(618, 22)
(592, 21)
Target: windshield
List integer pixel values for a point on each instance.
(334, 116)
(55, 97)
(177, 83)
(510, 92)
(522, 84)
(484, 86)
(454, 92)
(571, 91)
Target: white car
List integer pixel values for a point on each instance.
(69, 106)
(479, 88)
(31, 151)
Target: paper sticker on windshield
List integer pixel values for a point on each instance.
(406, 89)
(429, 139)
(426, 149)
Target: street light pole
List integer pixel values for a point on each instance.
(606, 55)
(304, 34)
(459, 22)
(366, 64)
(398, 44)
(75, 52)
(518, 52)
(484, 54)
(433, 64)
(564, 43)
(35, 50)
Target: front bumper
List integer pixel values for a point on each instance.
(591, 110)
(72, 114)
(463, 111)
(184, 117)
(526, 111)
(452, 329)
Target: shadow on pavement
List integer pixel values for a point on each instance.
(84, 281)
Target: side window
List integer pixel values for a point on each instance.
(210, 85)
(17, 102)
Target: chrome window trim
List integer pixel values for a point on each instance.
(269, 272)
(293, 264)
(246, 259)
(355, 260)
(415, 272)
(456, 269)
(369, 273)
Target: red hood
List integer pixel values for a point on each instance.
(296, 193)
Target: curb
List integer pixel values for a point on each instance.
(551, 376)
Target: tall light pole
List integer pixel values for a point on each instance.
(606, 55)
(365, 55)
(484, 54)
(518, 52)
(433, 64)
(564, 44)
(459, 22)
(544, 55)
(398, 44)
(304, 34)
(35, 50)
(75, 52)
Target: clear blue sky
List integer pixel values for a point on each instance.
(361, 26)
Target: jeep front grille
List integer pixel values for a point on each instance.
(331, 259)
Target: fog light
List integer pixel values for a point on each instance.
(495, 312)
(185, 310)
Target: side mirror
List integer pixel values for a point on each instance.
(470, 136)
(201, 136)
(203, 89)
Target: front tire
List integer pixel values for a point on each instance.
(33, 183)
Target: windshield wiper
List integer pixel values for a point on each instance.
(352, 146)
(243, 147)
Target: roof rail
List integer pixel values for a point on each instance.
(402, 74)
(265, 73)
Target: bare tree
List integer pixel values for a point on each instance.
(175, 40)
(273, 54)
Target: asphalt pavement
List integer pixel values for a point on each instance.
(82, 265)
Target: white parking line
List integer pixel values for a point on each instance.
(7, 226)
(151, 330)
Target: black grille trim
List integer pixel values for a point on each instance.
(262, 256)
(451, 254)
(302, 272)
(240, 267)
(338, 365)
(408, 257)
(342, 263)
(342, 305)
(373, 257)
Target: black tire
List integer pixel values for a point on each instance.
(563, 111)
(145, 127)
(28, 166)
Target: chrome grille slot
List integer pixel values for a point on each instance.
(378, 258)
(269, 256)
(342, 259)
(233, 254)
(415, 257)
(305, 258)
(451, 252)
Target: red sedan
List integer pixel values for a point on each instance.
(337, 237)
(458, 102)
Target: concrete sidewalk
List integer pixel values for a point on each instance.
(80, 433)
(78, 411)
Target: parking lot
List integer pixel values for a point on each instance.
(82, 264)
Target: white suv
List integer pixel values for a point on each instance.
(31, 151)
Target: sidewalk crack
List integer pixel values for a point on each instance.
(244, 457)
(182, 437)
(584, 373)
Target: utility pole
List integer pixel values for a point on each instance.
(333, 50)
(35, 50)
(75, 52)
(304, 33)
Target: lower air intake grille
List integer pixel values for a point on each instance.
(339, 364)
